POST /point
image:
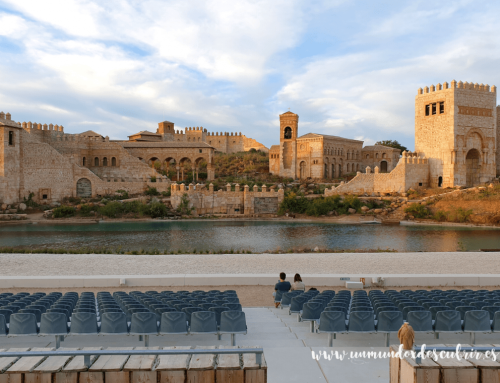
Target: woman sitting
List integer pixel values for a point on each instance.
(298, 284)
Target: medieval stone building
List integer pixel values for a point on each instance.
(323, 156)
(456, 143)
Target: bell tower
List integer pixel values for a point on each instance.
(289, 127)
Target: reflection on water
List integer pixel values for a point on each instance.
(257, 236)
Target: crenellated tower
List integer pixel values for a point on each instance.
(456, 129)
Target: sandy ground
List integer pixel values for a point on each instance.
(315, 263)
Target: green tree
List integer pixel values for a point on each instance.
(392, 144)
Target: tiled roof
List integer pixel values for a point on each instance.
(315, 135)
(164, 144)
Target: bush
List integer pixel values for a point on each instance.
(167, 193)
(112, 209)
(441, 216)
(157, 209)
(123, 194)
(151, 191)
(153, 178)
(184, 205)
(85, 210)
(417, 210)
(63, 211)
(293, 204)
(29, 202)
(462, 215)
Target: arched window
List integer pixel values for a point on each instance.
(376, 155)
(105, 161)
(113, 161)
(348, 166)
(83, 161)
(11, 138)
(288, 133)
(96, 161)
(383, 155)
(367, 156)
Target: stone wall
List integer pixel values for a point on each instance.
(239, 201)
(447, 134)
(498, 141)
(412, 171)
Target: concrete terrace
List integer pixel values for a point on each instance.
(287, 344)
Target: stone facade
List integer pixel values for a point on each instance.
(323, 156)
(456, 141)
(45, 161)
(412, 171)
(240, 201)
(456, 129)
(383, 157)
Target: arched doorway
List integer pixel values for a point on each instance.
(303, 169)
(83, 188)
(473, 167)
(383, 166)
(440, 181)
(340, 170)
(333, 170)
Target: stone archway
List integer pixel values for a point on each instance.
(383, 166)
(303, 169)
(83, 188)
(473, 167)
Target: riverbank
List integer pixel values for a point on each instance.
(238, 264)
(354, 219)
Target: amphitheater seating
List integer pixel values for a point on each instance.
(135, 313)
(434, 311)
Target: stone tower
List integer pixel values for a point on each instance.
(166, 129)
(11, 185)
(289, 128)
(456, 129)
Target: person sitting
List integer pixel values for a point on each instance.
(298, 284)
(282, 285)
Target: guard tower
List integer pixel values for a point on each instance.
(456, 129)
(289, 127)
(166, 129)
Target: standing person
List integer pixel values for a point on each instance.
(297, 283)
(282, 285)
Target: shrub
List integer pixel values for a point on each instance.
(85, 210)
(29, 202)
(462, 215)
(151, 191)
(112, 209)
(441, 216)
(167, 193)
(417, 210)
(294, 204)
(184, 205)
(123, 194)
(63, 211)
(157, 209)
(153, 178)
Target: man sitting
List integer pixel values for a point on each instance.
(283, 286)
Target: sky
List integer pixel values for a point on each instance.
(347, 68)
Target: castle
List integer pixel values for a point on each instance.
(456, 143)
(324, 156)
(51, 164)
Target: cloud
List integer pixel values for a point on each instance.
(347, 68)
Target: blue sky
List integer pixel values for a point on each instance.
(348, 68)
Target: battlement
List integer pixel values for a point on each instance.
(181, 188)
(4, 116)
(458, 85)
(223, 134)
(409, 157)
(29, 126)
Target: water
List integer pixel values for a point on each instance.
(255, 236)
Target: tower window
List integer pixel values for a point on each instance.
(427, 110)
(113, 161)
(288, 133)
(11, 138)
(434, 108)
(441, 107)
(83, 161)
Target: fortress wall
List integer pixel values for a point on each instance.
(240, 201)
(411, 172)
(498, 140)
